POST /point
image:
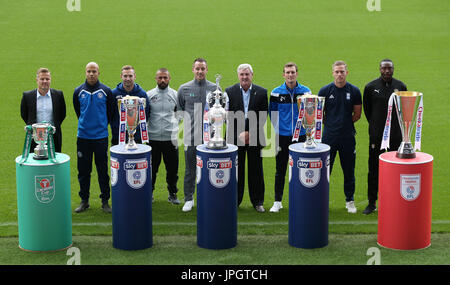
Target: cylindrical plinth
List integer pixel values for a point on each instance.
(217, 197)
(404, 205)
(43, 202)
(309, 172)
(131, 197)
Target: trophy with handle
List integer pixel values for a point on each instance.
(41, 132)
(409, 108)
(216, 116)
(310, 117)
(129, 109)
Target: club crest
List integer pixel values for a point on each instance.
(136, 172)
(309, 171)
(44, 188)
(219, 171)
(114, 171)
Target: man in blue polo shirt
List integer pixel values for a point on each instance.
(92, 102)
(342, 109)
(283, 100)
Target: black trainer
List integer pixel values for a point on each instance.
(84, 205)
(369, 209)
(173, 199)
(106, 208)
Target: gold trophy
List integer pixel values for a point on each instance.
(408, 105)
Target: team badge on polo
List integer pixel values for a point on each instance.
(309, 169)
(136, 172)
(219, 171)
(114, 171)
(44, 188)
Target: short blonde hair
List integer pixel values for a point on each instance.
(339, 63)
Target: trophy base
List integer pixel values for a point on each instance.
(216, 145)
(405, 151)
(309, 143)
(40, 153)
(405, 155)
(39, 157)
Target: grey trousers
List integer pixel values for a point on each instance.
(190, 162)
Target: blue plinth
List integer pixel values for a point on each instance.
(308, 195)
(217, 197)
(131, 197)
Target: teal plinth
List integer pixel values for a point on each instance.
(43, 203)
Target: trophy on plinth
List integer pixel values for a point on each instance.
(216, 116)
(310, 117)
(41, 133)
(409, 108)
(130, 109)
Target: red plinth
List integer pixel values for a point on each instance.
(404, 203)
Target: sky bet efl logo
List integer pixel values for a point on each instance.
(136, 172)
(219, 171)
(309, 169)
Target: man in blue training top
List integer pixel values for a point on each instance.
(283, 100)
(92, 102)
(342, 109)
(126, 87)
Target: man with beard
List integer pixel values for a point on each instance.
(163, 130)
(375, 103)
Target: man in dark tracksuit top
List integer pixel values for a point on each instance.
(92, 102)
(375, 103)
(283, 99)
(126, 87)
(342, 108)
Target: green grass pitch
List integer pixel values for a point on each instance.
(267, 34)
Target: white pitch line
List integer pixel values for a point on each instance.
(239, 223)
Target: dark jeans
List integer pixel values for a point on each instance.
(347, 156)
(86, 149)
(169, 153)
(282, 159)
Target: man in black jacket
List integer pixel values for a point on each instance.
(248, 108)
(375, 103)
(44, 104)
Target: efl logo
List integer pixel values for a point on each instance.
(136, 171)
(309, 171)
(219, 171)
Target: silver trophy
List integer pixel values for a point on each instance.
(407, 103)
(131, 104)
(216, 116)
(40, 137)
(310, 103)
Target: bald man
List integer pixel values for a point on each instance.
(93, 104)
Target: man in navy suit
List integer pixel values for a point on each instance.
(248, 106)
(44, 104)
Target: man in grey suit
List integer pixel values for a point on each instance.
(44, 104)
(192, 100)
(248, 106)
